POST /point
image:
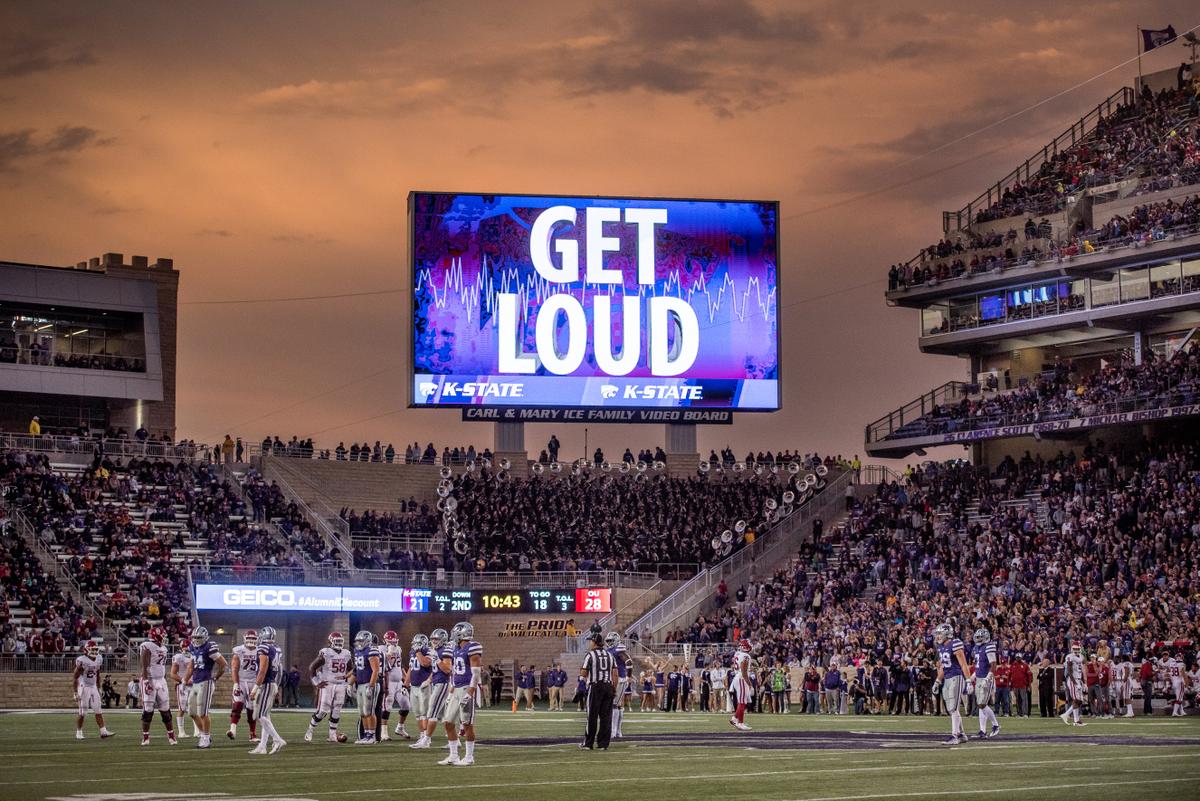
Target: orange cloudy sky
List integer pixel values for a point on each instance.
(269, 147)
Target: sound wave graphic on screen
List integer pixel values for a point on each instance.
(473, 294)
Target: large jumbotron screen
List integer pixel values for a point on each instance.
(585, 302)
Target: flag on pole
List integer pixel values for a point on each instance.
(1153, 39)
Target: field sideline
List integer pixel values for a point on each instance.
(533, 757)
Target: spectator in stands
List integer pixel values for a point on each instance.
(35, 427)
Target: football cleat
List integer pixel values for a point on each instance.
(259, 749)
(742, 727)
(452, 759)
(145, 739)
(105, 734)
(995, 730)
(308, 736)
(79, 734)
(981, 736)
(470, 760)
(421, 743)
(278, 744)
(952, 741)
(171, 738)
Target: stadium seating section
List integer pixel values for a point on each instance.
(1098, 546)
(1060, 394)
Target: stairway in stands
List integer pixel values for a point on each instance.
(54, 562)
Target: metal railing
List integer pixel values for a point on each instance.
(433, 579)
(875, 474)
(956, 220)
(329, 535)
(59, 663)
(113, 362)
(1104, 248)
(883, 428)
(609, 622)
(1178, 394)
(46, 554)
(61, 443)
(771, 545)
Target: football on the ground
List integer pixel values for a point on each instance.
(341, 738)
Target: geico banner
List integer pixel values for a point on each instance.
(1073, 424)
(258, 598)
(594, 302)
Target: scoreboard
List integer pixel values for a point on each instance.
(582, 601)
(589, 600)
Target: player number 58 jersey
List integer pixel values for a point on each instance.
(336, 663)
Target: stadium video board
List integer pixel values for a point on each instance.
(532, 301)
(262, 597)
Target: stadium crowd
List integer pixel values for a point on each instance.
(1147, 136)
(567, 523)
(126, 532)
(1060, 394)
(1107, 550)
(1149, 222)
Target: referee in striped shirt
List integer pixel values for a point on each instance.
(600, 672)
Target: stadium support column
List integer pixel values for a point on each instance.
(1139, 346)
(682, 454)
(510, 444)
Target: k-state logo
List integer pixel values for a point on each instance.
(428, 388)
(608, 391)
(259, 597)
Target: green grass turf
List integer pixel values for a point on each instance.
(40, 759)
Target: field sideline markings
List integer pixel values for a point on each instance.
(998, 790)
(673, 778)
(649, 750)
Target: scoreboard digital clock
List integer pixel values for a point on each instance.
(583, 601)
(287, 598)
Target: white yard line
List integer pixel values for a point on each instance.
(1000, 790)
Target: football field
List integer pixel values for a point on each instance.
(666, 757)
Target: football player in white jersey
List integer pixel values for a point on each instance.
(154, 658)
(1174, 668)
(86, 682)
(741, 689)
(245, 674)
(328, 674)
(184, 703)
(1076, 685)
(1130, 679)
(395, 678)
